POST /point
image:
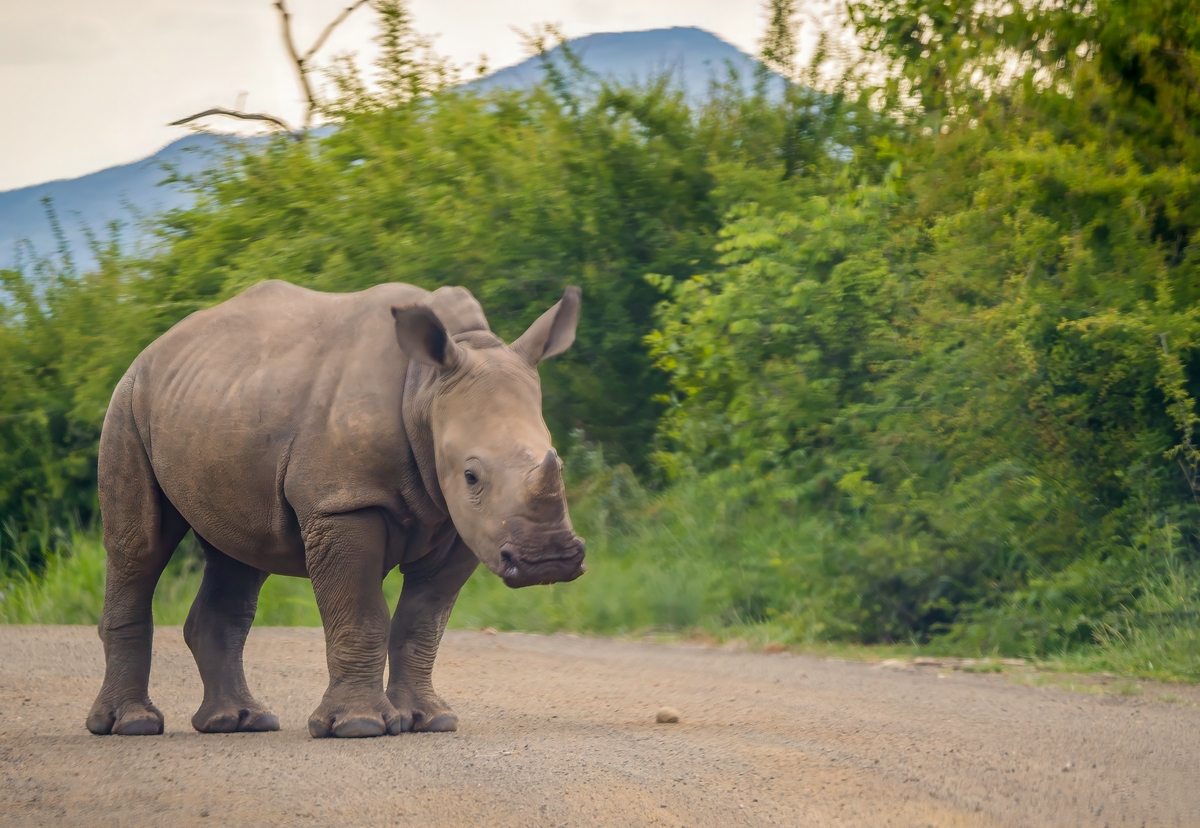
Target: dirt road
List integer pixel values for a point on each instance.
(557, 730)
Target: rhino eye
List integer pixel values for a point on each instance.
(471, 478)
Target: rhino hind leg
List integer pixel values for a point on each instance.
(344, 554)
(215, 632)
(417, 627)
(141, 530)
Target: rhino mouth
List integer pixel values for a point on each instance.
(521, 569)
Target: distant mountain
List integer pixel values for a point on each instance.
(692, 57)
(93, 201)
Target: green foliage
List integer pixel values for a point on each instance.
(407, 68)
(778, 49)
(63, 347)
(772, 357)
(985, 369)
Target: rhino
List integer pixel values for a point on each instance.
(333, 437)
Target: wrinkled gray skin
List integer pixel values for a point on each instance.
(332, 437)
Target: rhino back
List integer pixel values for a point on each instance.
(276, 406)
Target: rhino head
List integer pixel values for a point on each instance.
(496, 470)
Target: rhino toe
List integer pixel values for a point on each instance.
(100, 724)
(138, 727)
(148, 722)
(444, 723)
(261, 722)
(359, 727)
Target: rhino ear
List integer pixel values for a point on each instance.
(423, 337)
(553, 332)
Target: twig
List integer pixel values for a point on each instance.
(346, 12)
(233, 113)
(285, 20)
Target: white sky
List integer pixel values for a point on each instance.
(87, 84)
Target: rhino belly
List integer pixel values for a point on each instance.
(230, 500)
(219, 445)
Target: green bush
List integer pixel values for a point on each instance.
(981, 367)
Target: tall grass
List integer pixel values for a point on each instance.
(71, 590)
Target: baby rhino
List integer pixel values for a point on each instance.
(331, 437)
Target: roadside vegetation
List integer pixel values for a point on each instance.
(906, 354)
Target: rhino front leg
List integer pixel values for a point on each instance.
(421, 614)
(345, 562)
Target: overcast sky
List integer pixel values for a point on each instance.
(87, 84)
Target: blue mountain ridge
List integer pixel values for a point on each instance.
(692, 57)
(123, 194)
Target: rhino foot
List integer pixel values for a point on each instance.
(354, 721)
(427, 714)
(128, 719)
(231, 717)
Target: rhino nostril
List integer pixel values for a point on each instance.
(507, 559)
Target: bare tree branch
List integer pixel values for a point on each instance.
(302, 69)
(346, 12)
(285, 20)
(233, 113)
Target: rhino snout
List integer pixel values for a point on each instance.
(521, 568)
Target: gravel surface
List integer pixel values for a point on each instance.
(559, 730)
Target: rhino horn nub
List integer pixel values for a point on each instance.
(546, 480)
